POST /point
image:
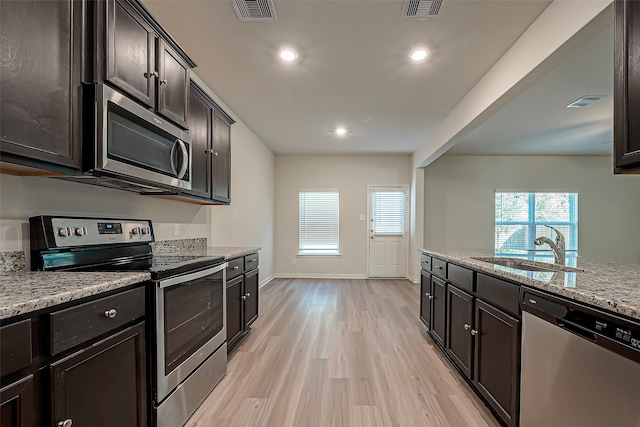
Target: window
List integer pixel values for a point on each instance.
(319, 222)
(388, 213)
(521, 217)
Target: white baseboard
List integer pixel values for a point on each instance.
(413, 279)
(318, 276)
(267, 280)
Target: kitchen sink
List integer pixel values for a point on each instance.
(523, 265)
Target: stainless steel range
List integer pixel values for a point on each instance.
(186, 302)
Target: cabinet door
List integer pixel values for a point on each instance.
(40, 84)
(496, 373)
(16, 404)
(425, 298)
(200, 115)
(173, 85)
(221, 159)
(104, 384)
(130, 56)
(235, 315)
(627, 86)
(251, 302)
(459, 328)
(438, 309)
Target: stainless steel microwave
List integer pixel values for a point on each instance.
(129, 147)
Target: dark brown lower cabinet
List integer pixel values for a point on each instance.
(438, 309)
(16, 403)
(425, 298)
(251, 301)
(459, 331)
(235, 318)
(104, 384)
(497, 352)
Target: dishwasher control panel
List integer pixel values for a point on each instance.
(583, 320)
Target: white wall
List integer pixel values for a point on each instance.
(248, 221)
(459, 200)
(350, 174)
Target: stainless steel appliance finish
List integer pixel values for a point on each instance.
(580, 366)
(132, 148)
(186, 302)
(167, 380)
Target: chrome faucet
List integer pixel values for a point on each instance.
(557, 247)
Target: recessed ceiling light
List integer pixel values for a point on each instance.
(341, 131)
(288, 55)
(419, 54)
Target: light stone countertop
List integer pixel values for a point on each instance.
(25, 292)
(227, 252)
(609, 286)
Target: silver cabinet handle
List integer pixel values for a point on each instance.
(163, 82)
(152, 74)
(467, 327)
(66, 423)
(248, 294)
(438, 267)
(474, 332)
(253, 260)
(111, 313)
(235, 267)
(427, 294)
(430, 296)
(244, 297)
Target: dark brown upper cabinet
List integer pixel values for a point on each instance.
(210, 131)
(41, 69)
(142, 60)
(130, 64)
(200, 116)
(627, 87)
(221, 157)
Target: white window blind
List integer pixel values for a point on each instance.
(388, 213)
(521, 217)
(319, 222)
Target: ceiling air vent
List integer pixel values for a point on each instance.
(584, 101)
(255, 10)
(420, 9)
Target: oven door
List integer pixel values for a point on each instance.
(190, 324)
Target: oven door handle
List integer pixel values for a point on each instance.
(191, 276)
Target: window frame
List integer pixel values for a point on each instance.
(317, 252)
(531, 252)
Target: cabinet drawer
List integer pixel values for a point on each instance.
(502, 294)
(83, 322)
(15, 347)
(461, 277)
(251, 262)
(235, 267)
(439, 267)
(426, 262)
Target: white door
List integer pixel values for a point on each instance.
(387, 231)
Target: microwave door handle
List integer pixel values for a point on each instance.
(185, 159)
(173, 157)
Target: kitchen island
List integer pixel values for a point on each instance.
(610, 286)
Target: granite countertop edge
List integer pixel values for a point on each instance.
(26, 292)
(593, 277)
(228, 253)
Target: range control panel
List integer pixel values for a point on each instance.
(70, 232)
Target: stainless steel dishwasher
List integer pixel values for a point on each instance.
(580, 365)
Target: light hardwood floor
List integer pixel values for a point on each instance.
(338, 353)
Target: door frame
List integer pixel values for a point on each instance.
(405, 189)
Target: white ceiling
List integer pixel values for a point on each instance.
(353, 69)
(538, 122)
